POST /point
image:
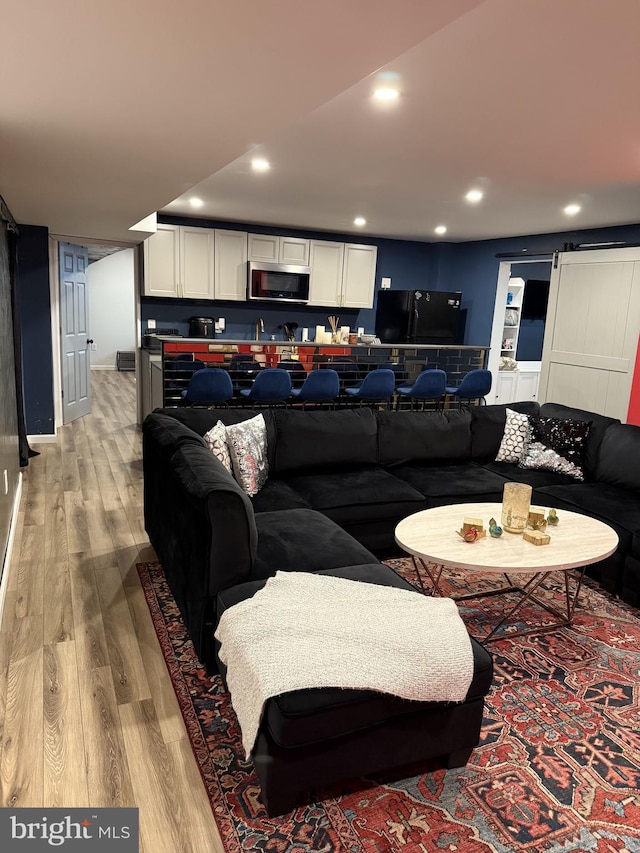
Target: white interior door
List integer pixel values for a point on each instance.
(591, 336)
(74, 332)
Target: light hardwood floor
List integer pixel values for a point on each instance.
(88, 716)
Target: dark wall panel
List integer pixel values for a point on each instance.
(35, 310)
(9, 448)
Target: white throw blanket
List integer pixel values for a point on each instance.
(304, 630)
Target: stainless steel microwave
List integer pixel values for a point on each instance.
(278, 282)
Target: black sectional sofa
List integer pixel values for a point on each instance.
(357, 472)
(339, 482)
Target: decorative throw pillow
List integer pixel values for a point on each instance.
(248, 449)
(513, 446)
(557, 445)
(216, 441)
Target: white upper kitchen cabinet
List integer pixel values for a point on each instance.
(196, 261)
(359, 275)
(326, 262)
(230, 278)
(178, 262)
(162, 262)
(294, 250)
(342, 275)
(274, 249)
(264, 247)
(188, 262)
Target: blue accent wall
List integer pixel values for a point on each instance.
(240, 317)
(35, 318)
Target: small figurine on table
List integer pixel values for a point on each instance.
(537, 520)
(472, 530)
(552, 518)
(494, 528)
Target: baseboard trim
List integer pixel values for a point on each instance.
(6, 563)
(102, 367)
(42, 439)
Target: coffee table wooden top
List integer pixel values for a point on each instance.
(576, 541)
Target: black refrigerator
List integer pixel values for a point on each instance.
(419, 317)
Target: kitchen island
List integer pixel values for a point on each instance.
(162, 387)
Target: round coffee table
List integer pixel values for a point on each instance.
(577, 541)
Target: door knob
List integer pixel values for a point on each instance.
(89, 341)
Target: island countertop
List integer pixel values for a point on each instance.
(266, 342)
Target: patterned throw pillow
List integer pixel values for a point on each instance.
(513, 446)
(248, 448)
(216, 441)
(557, 445)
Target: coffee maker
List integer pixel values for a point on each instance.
(202, 327)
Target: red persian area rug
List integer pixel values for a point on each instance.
(557, 768)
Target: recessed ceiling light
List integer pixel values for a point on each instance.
(440, 229)
(359, 221)
(386, 93)
(196, 202)
(572, 209)
(474, 196)
(259, 164)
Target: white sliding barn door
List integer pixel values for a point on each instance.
(591, 336)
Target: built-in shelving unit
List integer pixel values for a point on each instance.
(520, 382)
(512, 311)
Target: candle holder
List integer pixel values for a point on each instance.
(516, 500)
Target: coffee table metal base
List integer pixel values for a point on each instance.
(526, 592)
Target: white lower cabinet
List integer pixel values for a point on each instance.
(506, 386)
(151, 390)
(527, 387)
(514, 386)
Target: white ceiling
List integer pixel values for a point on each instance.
(111, 110)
